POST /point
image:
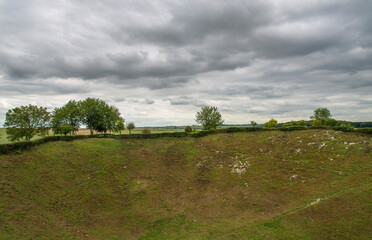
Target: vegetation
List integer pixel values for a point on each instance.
(321, 114)
(98, 116)
(253, 123)
(312, 184)
(271, 124)
(301, 123)
(188, 129)
(130, 127)
(26, 121)
(209, 117)
(120, 126)
(66, 119)
(146, 131)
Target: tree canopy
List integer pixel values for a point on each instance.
(66, 119)
(271, 124)
(321, 114)
(130, 127)
(98, 116)
(209, 117)
(120, 126)
(26, 121)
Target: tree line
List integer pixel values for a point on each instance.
(98, 116)
(27, 121)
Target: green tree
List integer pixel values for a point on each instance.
(120, 126)
(209, 117)
(271, 124)
(188, 129)
(66, 119)
(26, 121)
(111, 116)
(65, 129)
(321, 114)
(130, 127)
(253, 123)
(98, 116)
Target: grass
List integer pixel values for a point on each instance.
(313, 184)
(4, 139)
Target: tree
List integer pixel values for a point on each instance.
(209, 117)
(120, 125)
(98, 116)
(253, 123)
(66, 119)
(271, 124)
(130, 127)
(26, 121)
(321, 114)
(188, 129)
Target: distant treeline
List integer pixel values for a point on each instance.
(339, 123)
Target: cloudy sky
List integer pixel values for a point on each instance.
(161, 61)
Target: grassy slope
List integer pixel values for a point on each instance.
(297, 185)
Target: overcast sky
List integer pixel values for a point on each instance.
(161, 61)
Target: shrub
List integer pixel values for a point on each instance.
(271, 124)
(188, 129)
(317, 123)
(146, 131)
(330, 122)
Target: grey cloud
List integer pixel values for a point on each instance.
(45, 87)
(181, 100)
(235, 54)
(253, 91)
(149, 101)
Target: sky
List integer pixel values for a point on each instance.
(159, 62)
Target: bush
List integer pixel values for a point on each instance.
(364, 130)
(146, 131)
(317, 123)
(330, 122)
(292, 128)
(298, 123)
(188, 129)
(271, 124)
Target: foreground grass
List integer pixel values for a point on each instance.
(269, 185)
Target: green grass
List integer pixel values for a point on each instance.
(4, 139)
(293, 187)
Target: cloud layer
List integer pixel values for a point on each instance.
(159, 61)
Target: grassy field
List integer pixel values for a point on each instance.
(313, 184)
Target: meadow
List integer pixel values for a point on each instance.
(313, 184)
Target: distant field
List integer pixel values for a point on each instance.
(314, 184)
(4, 140)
